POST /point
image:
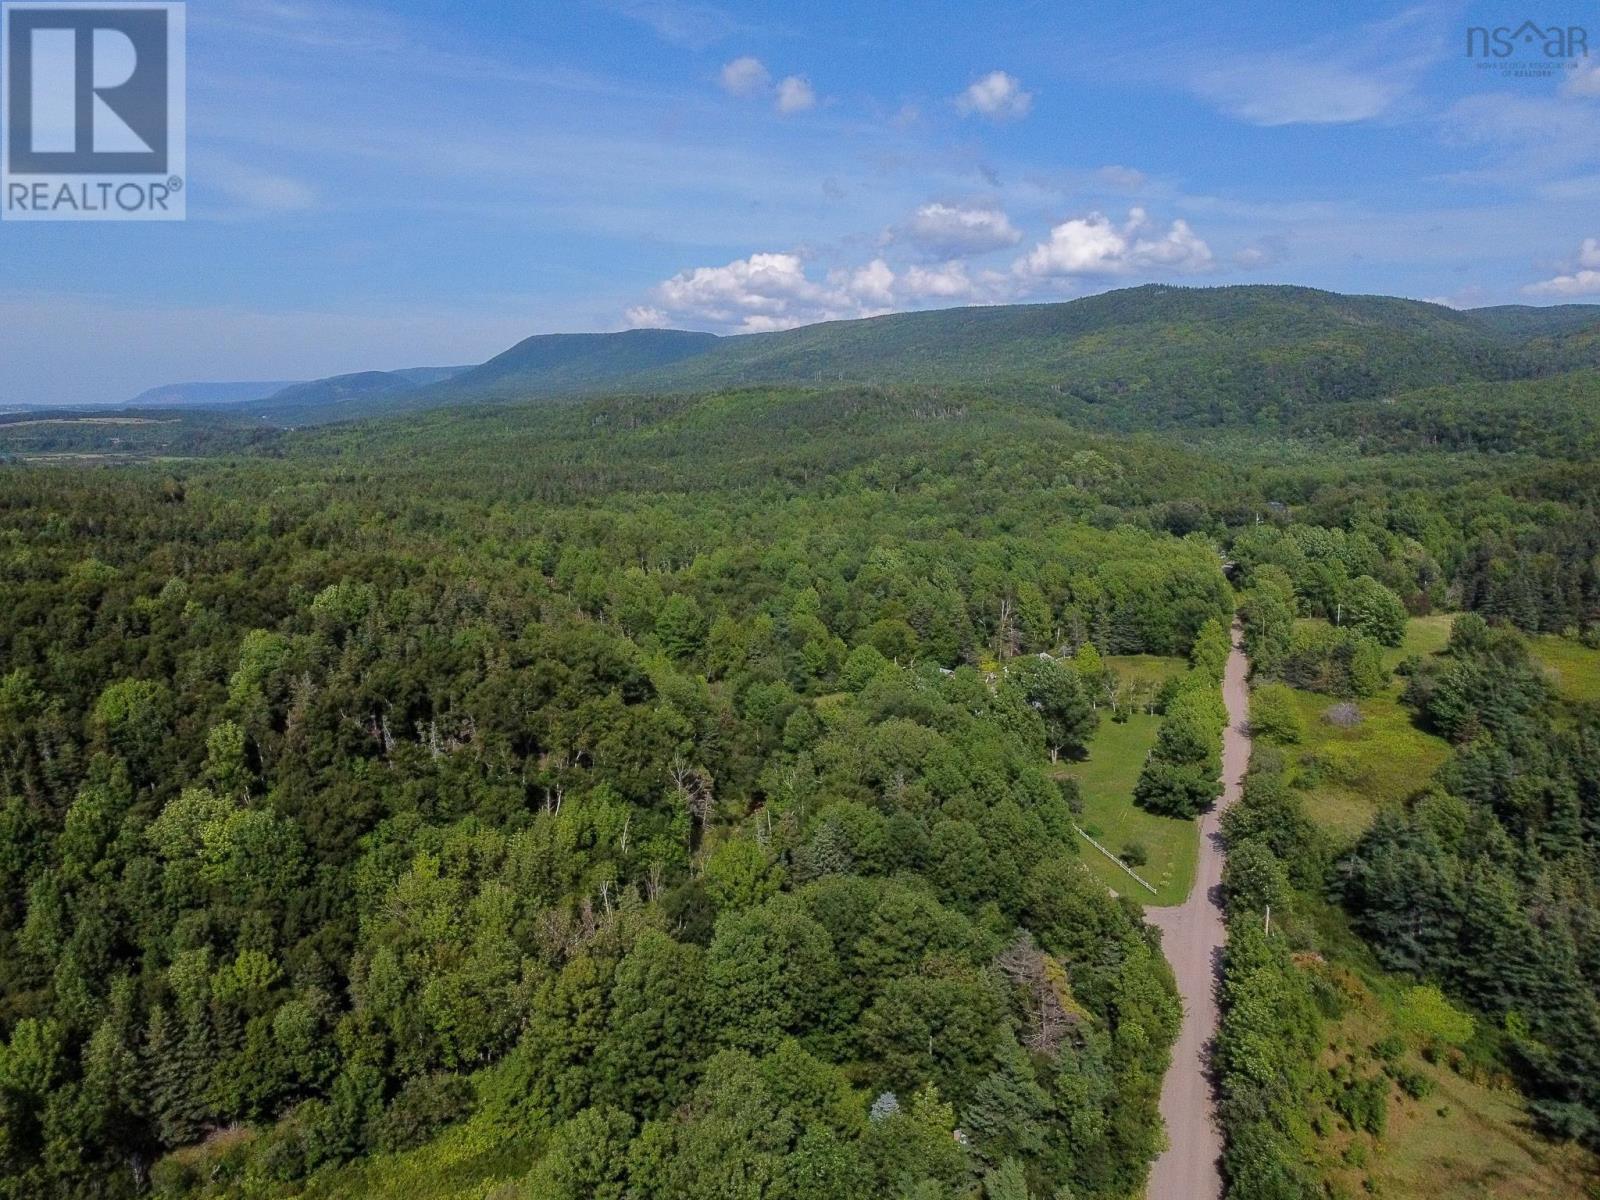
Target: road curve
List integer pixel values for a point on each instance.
(1192, 935)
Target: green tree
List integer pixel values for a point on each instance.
(1274, 716)
(1373, 610)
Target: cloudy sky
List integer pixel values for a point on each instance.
(424, 182)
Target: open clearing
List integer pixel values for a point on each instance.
(1574, 668)
(1468, 1139)
(1106, 779)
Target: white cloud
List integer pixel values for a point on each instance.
(1585, 82)
(766, 292)
(1093, 246)
(997, 95)
(871, 284)
(1471, 296)
(1528, 137)
(946, 281)
(748, 77)
(1583, 279)
(1289, 90)
(1354, 75)
(775, 290)
(745, 76)
(763, 284)
(647, 316)
(255, 192)
(1118, 176)
(795, 95)
(951, 230)
(682, 23)
(1578, 283)
(906, 116)
(1265, 252)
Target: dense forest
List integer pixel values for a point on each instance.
(662, 789)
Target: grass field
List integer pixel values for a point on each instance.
(1153, 669)
(1106, 779)
(1347, 775)
(1424, 636)
(1467, 1138)
(1574, 668)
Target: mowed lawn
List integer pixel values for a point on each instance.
(1106, 780)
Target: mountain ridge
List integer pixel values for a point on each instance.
(1153, 354)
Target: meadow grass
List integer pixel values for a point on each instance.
(1574, 669)
(469, 1161)
(1470, 1136)
(1424, 636)
(1348, 774)
(1145, 668)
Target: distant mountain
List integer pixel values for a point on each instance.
(546, 365)
(1145, 357)
(1140, 356)
(1528, 321)
(423, 376)
(340, 397)
(565, 363)
(1136, 358)
(203, 395)
(338, 388)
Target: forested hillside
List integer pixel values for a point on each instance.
(654, 796)
(1139, 358)
(346, 810)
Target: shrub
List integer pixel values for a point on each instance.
(1273, 715)
(1413, 1083)
(1342, 716)
(424, 1106)
(1428, 1016)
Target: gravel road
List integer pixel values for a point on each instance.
(1192, 936)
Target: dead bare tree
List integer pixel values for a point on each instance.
(694, 789)
(1041, 980)
(1008, 639)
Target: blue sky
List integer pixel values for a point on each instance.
(426, 182)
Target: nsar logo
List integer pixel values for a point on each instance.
(1529, 50)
